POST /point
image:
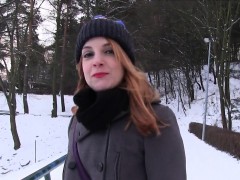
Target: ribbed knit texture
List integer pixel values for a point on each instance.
(108, 29)
(96, 110)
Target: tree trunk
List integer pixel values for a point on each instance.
(150, 78)
(165, 86)
(227, 92)
(56, 58)
(54, 110)
(25, 85)
(223, 115)
(15, 136)
(171, 84)
(220, 81)
(63, 57)
(11, 96)
(157, 79)
(29, 46)
(180, 94)
(214, 73)
(189, 85)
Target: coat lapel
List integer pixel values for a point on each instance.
(81, 131)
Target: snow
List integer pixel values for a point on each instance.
(36, 128)
(50, 134)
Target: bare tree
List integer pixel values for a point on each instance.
(12, 21)
(28, 54)
(63, 56)
(56, 58)
(219, 18)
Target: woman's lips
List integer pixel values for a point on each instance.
(99, 75)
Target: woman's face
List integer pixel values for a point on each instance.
(101, 69)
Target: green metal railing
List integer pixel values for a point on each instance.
(45, 171)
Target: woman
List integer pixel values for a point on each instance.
(119, 131)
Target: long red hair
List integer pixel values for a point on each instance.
(141, 93)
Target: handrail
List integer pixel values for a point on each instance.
(45, 171)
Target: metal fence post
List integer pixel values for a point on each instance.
(47, 176)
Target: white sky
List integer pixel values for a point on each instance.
(203, 161)
(48, 26)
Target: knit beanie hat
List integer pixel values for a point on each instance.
(103, 27)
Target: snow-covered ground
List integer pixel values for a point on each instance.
(50, 137)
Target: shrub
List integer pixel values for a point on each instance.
(222, 139)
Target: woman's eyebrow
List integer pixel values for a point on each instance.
(87, 47)
(106, 44)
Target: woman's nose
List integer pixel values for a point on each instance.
(98, 60)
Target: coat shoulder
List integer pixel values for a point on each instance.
(164, 113)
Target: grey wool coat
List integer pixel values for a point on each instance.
(118, 154)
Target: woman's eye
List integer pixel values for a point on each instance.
(110, 51)
(88, 55)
